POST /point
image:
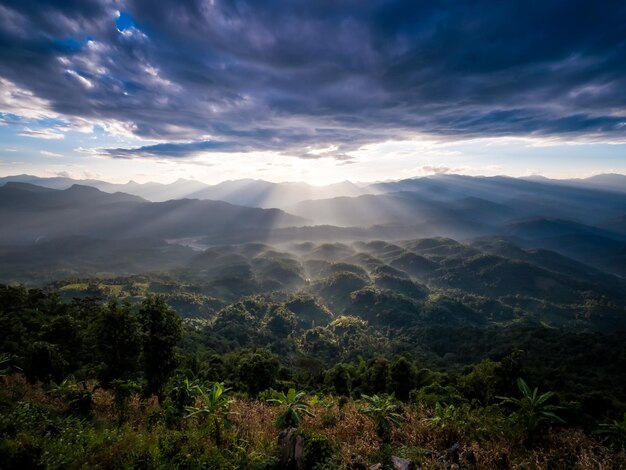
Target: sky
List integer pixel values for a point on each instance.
(318, 91)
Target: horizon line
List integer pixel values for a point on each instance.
(392, 180)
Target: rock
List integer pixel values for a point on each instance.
(503, 461)
(291, 448)
(402, 464)
(398, 464)
(299, 451)
(452, 454)
(52, 431)
(356, 463)
(469, 457)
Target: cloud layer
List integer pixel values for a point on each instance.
(300, 77)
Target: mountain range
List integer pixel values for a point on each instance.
(259, 193)
(32, 213)
(247, 192)
(573, 218)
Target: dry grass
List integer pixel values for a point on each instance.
(253, 422)
(352, 434)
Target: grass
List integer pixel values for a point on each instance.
(38, 424)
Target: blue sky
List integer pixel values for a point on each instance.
(315, 91)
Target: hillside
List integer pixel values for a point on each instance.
(432, 296)
(31, 213)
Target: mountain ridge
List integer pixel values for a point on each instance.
(82, 210)
(182, 187)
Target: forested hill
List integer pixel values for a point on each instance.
(191, 333)
(125, 383)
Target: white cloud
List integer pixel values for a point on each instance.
(439, 170)
(82, 80)
(45, 153)
(23, 103)
(77, 175)
(41, 134)
(77, 125)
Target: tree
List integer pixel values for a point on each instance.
(377, 375)
(281, 321)
(383, 411)
(117, 343)
(294, 407)
(122, 391)
(403, 375)
(258, 370)
(45, 362)
(161, 331)
(214, 406)
(532, 409)
(340, 378)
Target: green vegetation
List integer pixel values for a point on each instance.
(383, 410)
(533, 409)
(214, 403)
(614, 432)
(294, 408)
(176, 369)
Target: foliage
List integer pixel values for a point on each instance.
(294, 408)
(383, 411)
(117, 338)
(213, 406)
(450, 420)
(79, 400)
(5, 364)
(161, 331)
(449, 352)
(123, 390)
(613, 432)
(532, 409)
(182, 394)
(319, 452)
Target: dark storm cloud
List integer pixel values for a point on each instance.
(294, 76)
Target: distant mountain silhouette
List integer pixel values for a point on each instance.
(604, 182)
(405, 207)
(585, 224)
(30, 213)
(539, 227)
(247, 192)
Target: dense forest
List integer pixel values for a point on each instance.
(331, 355)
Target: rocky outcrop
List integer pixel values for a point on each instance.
(291, 448)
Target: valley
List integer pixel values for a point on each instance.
(441, 291)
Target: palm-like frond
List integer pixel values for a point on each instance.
(533, 407)
(613, 432)
(213, 400)
(382, 409)
(295, 407)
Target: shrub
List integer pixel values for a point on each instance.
(318, 451)
(294, 408)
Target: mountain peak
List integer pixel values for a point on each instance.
(83, 188)
(26, 187)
